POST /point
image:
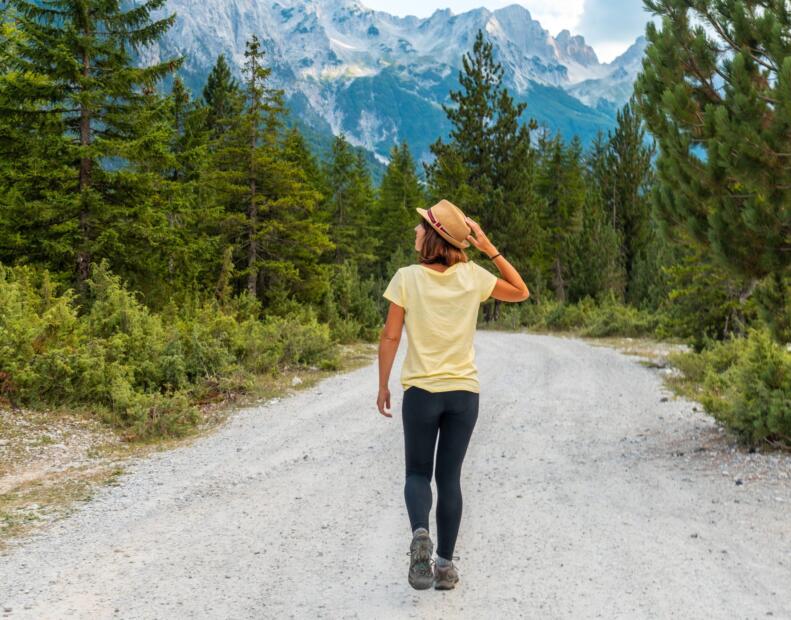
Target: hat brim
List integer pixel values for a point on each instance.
(443, 234)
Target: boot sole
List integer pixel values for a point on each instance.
(420, 585)
(445, 586)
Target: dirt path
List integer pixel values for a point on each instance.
(585, 496)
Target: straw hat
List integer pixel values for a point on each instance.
(448, 220)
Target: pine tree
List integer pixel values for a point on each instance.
(704, 301)
(222, 95)
(399, 195)
(188, 241)
(244, 150)
(269, 208)
(93, 89)
(629, 176)
(715, 92)
(33, 173)
(296, 150)
(595, 267)
(560, 187)
(164, 253)
(265, 107)
(485, 135)
(594, 262)
(473, 117)
(190, 133)
(350, 206)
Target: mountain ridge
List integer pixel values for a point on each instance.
(381, 79)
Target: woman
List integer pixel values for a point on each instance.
(438, 299)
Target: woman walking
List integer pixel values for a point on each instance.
(438, 300)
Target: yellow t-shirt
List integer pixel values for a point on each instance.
(441, 312)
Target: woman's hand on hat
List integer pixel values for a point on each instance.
(480, 240)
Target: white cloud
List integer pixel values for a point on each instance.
(610, 26)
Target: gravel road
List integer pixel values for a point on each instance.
(587, 494)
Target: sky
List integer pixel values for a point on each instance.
(609, 26)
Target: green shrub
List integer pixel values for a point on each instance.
(39, 335)
(756, 400)
(716, 357)
(510, 318)
(140, 371)
(746, 384)
(351, 306)
(704, 302)
(304, 340)
(207, 343)
(617, 319)
(554, 315)
(587, 317)
(143, 415)
(260, 347)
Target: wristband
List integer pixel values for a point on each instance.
(495, 256)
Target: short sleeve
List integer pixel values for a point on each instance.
(395, 289)
(484, 280)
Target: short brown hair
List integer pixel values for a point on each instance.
(437, 249)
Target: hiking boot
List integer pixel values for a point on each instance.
(420, 570)
(445, 577)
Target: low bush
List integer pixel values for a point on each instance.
(586, 317)
(141, 372)
(615, 319)
(352, 307)
(746, 384)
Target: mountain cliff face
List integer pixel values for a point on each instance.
(381, 79)
(611, 91)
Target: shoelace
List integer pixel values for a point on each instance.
(433, 561)
(423, 564)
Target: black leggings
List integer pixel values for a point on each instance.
(453, 415)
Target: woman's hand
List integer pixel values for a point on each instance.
(382, 400)
(480, 240)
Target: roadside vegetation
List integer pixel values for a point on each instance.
(142, 372)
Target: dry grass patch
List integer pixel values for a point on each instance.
(655, 353)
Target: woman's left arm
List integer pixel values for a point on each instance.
(388, 346)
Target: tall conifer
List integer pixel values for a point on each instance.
(83, 48)
(222, 96)
(399, 195)
(561, 191)
(629, 176)
(350, 207)
(268, 204)
(715, 91)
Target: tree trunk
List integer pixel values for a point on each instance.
(83, 265)
(557, 281)
(736, 319)
(338, 251)
(252, 251)
(252, 213)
